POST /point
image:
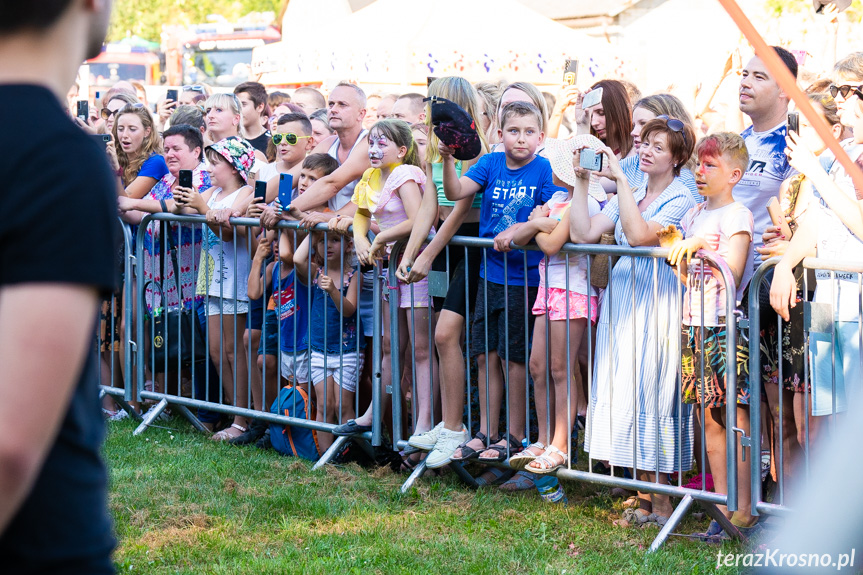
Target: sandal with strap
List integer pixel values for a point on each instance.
(511, 444)
(469, 453)
(226, 435)
(522, 459)
(521, 481)
(547, 464)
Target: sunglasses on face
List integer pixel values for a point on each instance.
(674, 125)
(845, 90)
(289, 138)
(107, 112)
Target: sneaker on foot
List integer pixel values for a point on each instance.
(426, 440)
(119, 416)
(448, 441)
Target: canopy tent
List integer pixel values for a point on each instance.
(402, 42)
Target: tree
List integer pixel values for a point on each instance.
(145, 18)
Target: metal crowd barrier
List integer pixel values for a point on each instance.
(708, 500)
(235, 393)
(818, 319)
(119, 350)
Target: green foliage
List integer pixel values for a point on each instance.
(145, 18)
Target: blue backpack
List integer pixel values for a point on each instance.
(289, 440)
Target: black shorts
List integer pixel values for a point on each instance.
(507, 317)
(455, 300)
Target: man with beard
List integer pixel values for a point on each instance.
(53, 509)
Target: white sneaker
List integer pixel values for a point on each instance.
(448, 441)
(427, 440)
(119, 416)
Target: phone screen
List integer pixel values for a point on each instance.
(83, 111)
(286, 186)
(592, 98)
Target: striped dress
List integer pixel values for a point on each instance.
(634, 396)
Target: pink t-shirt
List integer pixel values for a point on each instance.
(716, 228)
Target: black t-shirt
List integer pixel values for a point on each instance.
(59, 224)
(260, 143)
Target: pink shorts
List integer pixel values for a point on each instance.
(557, 298)
(420, 293)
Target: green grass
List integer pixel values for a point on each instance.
(184, 504)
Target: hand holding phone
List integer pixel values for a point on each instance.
(590, 160)
(184, 179)
(794, 122)
(172, 95)
(260, 191)
(83, 111)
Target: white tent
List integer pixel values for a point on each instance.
(301, 26)
(402, 42)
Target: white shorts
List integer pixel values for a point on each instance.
(346, 371)
(226, 306)
(296, 368)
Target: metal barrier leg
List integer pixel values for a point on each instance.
(334, 449)
(462, 473)
(726, 524)
(415, 474)
(193, 419)
(671, 524)
(151, 416)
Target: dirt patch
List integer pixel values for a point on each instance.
(189, 521)
(139, 517)
(230, 486)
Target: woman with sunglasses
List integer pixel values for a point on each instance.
(642, 307)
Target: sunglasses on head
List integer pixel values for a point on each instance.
(674, 125)
(289, 138)
(845, 90)
(196, 88)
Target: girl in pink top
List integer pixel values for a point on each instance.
(391, 191)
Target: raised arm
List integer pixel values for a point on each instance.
(327, 187)
(455, 188)
(584, 229)
(783, 289)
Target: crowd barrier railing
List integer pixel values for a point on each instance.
(817, 381)
(222, 379)
(653, 259)
(221, 382)
(115, 349)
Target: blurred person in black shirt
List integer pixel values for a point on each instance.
(56, 259)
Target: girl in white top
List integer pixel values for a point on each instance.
(564, 303)
(225, 264)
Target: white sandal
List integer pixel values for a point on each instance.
(225, 434)
(548, 464)
(521, 459)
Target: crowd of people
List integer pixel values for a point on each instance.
(364, 163)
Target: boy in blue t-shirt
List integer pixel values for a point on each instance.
(513, 183)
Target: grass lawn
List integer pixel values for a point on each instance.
(184, 504)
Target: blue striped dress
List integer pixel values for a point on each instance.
(635, 397)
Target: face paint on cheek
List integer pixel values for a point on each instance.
(376, 145)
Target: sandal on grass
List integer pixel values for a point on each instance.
(546, 463)
(492, 476)
(521, 481)
(227, 433)
(641, 518)
(520, 460)
(468, 453)
(511, 445)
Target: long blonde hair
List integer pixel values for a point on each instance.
(459, 91)
(152, 143)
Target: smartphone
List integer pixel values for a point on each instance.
(83, 110)
(793, 122)
(261, 190)
(184, 179)
(102, 139)
(592, 98)
(777, 217)
(590, 160)
(570, 72)
(172, 96)
(286, 187)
